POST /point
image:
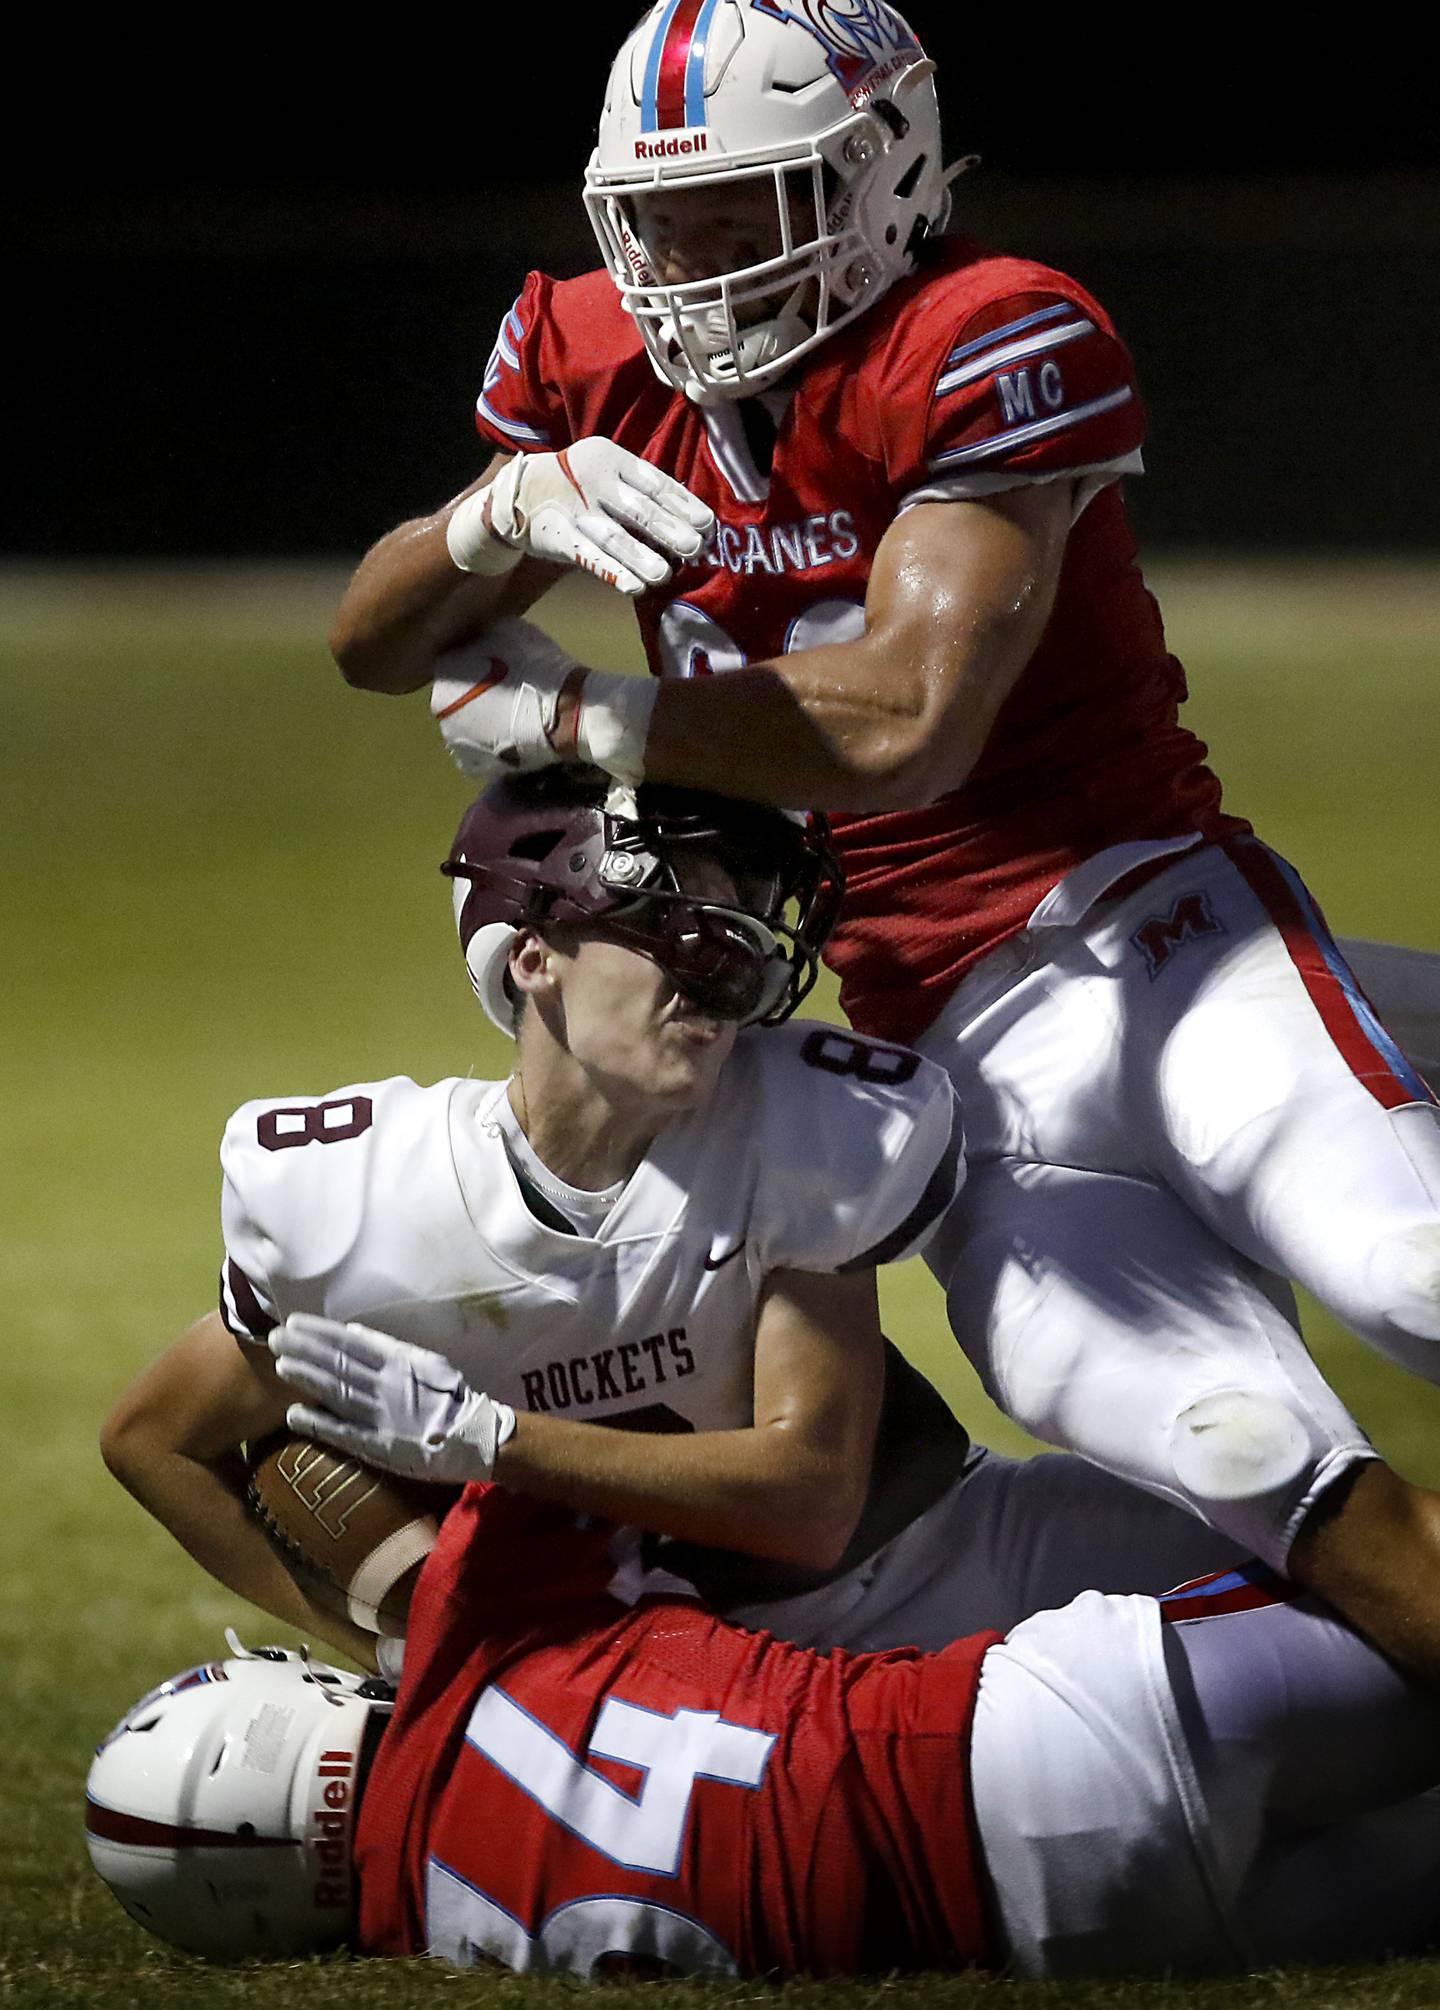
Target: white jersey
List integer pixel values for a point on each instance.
(400, 1206)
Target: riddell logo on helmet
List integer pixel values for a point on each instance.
(678, 143)
(330, 1829)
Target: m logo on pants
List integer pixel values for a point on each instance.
(1159, 938)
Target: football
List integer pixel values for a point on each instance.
(353, 1536)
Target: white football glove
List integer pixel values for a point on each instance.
(594, 505)
(496, 699)
(399, 1407)
(497, 703)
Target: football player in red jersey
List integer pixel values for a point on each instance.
(871, 473)
(588, 1773)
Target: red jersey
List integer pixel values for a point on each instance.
(574, 1782)
(974, 374)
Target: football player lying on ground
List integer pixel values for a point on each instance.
(872, 474)
(586, 1772)
(668, 1221)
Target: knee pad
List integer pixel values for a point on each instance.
(1411, 1259)
(1246, 1462)
(1405, 1274)
(1235, 1445)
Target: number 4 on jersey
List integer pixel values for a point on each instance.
(644, 1832)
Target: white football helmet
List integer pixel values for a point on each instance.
(220, 1809)
(825, 106)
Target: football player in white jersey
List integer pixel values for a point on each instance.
(609, 1236)
(667, 1220)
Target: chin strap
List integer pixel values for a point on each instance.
(752, 349)
(761, 345)
(948, 179)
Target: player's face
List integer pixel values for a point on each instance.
(701, 232)
(634, 1032)
(709, 229)
(628, 1023)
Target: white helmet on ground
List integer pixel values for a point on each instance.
(827, 104)
(220, 1809)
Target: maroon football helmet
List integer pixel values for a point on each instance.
(569, 845)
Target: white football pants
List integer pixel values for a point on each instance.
(1213, 1782)
(1175, 1097)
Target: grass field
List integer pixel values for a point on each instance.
(221, 882)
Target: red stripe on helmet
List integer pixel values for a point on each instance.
(674, 57)
(110, 1825)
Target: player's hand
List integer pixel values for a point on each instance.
(512, 700)
(595, 505)
(497, 701)
(397, 1406)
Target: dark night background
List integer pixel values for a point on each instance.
(252, 316)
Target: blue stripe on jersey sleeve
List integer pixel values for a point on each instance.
(1024, 436)
(998, 335)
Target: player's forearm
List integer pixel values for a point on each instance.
(763, 1491)
(959, 598)
(848, 726)
(811, 732)
(203, 1507)
(408, 602)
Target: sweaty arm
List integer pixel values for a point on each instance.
(173, 1440)
(409, 601)
(959, 596)
(790, 1486)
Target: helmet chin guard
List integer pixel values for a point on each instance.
(828, 104)
(700, 343)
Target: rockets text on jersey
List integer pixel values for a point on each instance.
(399, 1206)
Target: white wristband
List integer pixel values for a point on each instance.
(482, 1425)
(472, 542)
(614, 723)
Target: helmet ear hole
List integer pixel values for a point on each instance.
(536, 844)
(893, 117)
(906, 184)
(920, 231)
